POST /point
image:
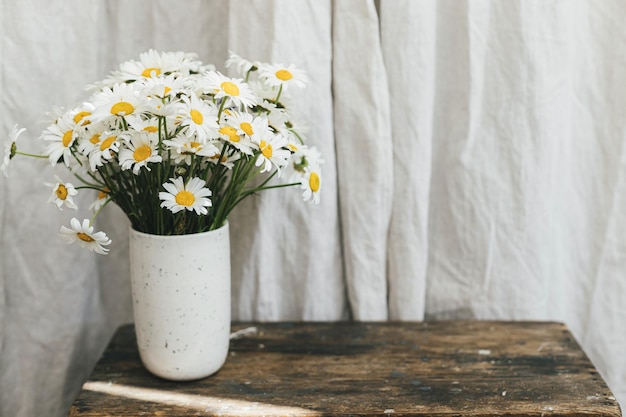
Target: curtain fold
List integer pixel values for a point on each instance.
(411, 79)
(364, 154)
(474, 168)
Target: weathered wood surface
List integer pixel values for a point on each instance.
(448, 368)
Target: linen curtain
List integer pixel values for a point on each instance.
(474, 168)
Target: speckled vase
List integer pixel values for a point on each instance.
(181, 302)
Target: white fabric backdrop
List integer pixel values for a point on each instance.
(475, 168)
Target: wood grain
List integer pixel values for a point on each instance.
(447, 368)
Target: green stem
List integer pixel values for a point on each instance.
(32, 155)
(219, 112)
(298, 136)
(240, 176)
(280, 90)
(93, 218)
(252, 191)
(269, 187)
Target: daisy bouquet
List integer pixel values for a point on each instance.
(176, 144)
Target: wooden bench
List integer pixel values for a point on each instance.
(446, 368)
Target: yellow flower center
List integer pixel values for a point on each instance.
(216, 156)
(107, 142)
(142, 153)
(166, 91)
(284, 75)
(314, 182)
(61, 192)
(266, 149)
(195, 145)
(185, 198)
(67, 138)
(103, 194)
(122, 108)
(247, 128)
(230, 88)
(95, 138)
(151, 129)
(231, 132)
(80, 116)
(292, 147)
(84, 237)
(148, 72)
(196, 116)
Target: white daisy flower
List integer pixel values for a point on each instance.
(263, 91)
(10, 149)
(120, 100)
(153, 64)
(158, 108)
(311, 183)
(53, 114)
(277, 118)
(103, 150)
(191, 196)
(187, 62)
(84, 235)
(233, 88)
(301, 158)
(163, 87)
(192, 66)
(149, 65)
(101, 199)
(141, 150)
(242, 66)
(61, 134)
(277, 75)
(246, 123)
(89, 137)
(62, 194)
(184, 147)
(228, 160)
(241, 142)
(199, 116)
(272, 151)
(141, 124)
(313, 155)
(182, 63)
(80, 115)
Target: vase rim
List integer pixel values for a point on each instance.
(152, 235)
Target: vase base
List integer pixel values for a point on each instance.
(184, 368)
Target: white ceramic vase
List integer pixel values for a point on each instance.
(181, 302)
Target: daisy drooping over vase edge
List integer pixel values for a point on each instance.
(176, 144)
